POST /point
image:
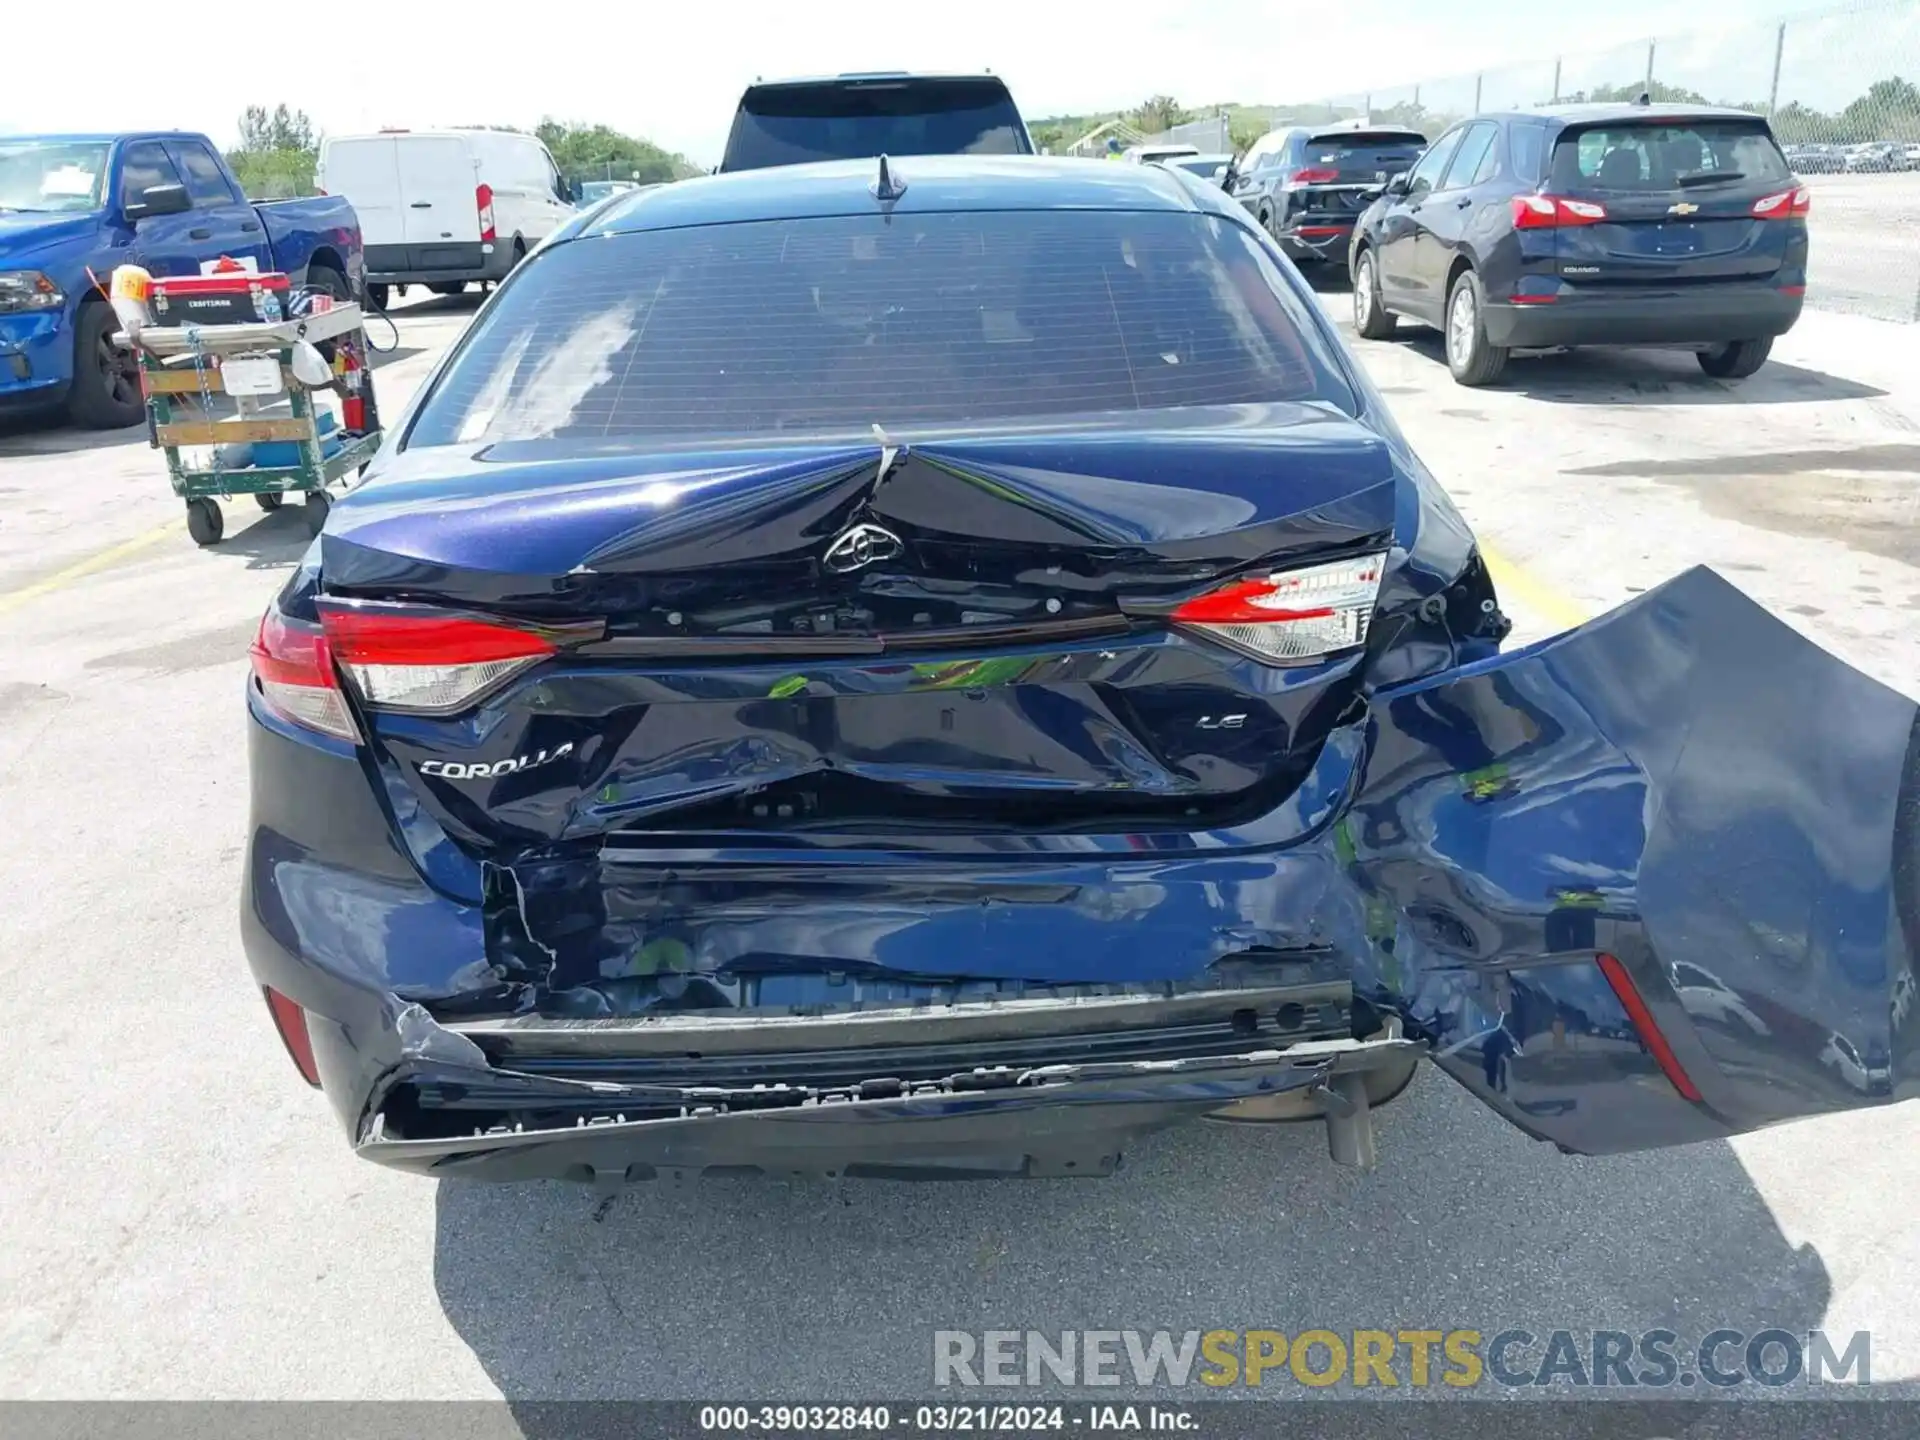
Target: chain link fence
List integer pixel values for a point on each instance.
(1842, 88)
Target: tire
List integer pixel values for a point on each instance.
(205, 521)
(449, 287)
(314, 510)
(329, 281)
(1735, 361)
(269, 500)
(1473, 359)
(105, 393)
(377, 295)
(1371, 319)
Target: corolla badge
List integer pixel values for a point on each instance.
(493, 769)
(860, 546)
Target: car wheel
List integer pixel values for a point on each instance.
(269, 500)
(1735, 361)
(1371, 319)
(377, 295)
(328, 281)
(105, 393)
(205, 522)
(1473, 359)
(314, 510)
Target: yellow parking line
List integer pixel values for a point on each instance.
(112, 555)
(1559, 611)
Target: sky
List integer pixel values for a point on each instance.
(672, 71)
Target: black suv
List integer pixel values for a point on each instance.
(1307, 185)
(1678, 225)
(853, 117)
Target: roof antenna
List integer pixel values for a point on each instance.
(888, 186)
(1645, 97)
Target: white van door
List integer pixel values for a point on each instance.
(365, 171)
(439, 185)
(526, 187)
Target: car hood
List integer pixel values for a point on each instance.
(25, 237)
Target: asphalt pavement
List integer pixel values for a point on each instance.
(181, 1219)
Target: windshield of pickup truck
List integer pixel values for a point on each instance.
(52, 175)
(839, 120)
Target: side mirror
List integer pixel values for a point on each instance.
(160, 200)
(1399, 184)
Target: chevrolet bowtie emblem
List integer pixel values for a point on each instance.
(1683, 208)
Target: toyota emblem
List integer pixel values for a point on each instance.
(861, 546)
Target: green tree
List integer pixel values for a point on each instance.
(1890, 110)
(1159, 115)
(263, 131)
(597, 152)
(276, 153)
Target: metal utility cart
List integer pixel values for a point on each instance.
(253, 363)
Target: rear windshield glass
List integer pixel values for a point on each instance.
(1364, 150)
(831, 326)
(1655, 155)
(792, 125)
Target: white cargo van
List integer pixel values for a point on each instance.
(442, 208)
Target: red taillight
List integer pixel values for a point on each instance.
(427, 663)
(483, 202)
(1551, 212)
(1646, 1026)
(1291, 615)
(294, 670)
(291, 1021)
(1794, 204)
(1314, 176)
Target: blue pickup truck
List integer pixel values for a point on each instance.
(166, 201)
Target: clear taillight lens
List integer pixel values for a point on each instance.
(1792, 204)
(1552, 212)
(432, 664)
(1292, 615)
(294, 669)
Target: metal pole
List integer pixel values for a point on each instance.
(1556, 79)
(1476, 94)
(1779, 49)
(1649, 65)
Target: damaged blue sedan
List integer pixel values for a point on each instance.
(939, 668)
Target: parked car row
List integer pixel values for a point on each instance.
(1623, 224)
(1873, 157)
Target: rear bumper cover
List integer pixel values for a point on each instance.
(1323, 240)
(1691, 315)
(1683, 780)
